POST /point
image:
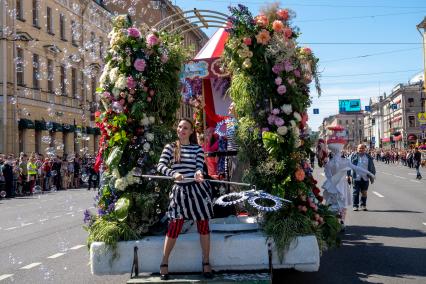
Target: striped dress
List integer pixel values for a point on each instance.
(188, 199)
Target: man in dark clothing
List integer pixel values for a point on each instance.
(93, 177)
(417, 159)
(56, 167)
(8, 177)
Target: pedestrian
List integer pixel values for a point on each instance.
(417, 159)
(7, 171)
(360, 181)
(93, 176)
(190, 200)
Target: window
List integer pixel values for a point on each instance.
(81, 85)
(63, 78)
(74, 82)
(36, 71)
(50, 75)
(101, 48)
(62, 26)
(92, 41)
(20, 66)
(73, 33)
(93, 88)
(410, 102)
(19, 11)
(49, 20)
(411, 121)
(35, 14)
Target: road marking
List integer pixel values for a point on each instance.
(416, 181)
(29, 266)
(378, 194)
(424, 223)
(80, 210)
(11, 228)
(56, 255)
(387, 173)
(5, 276)
(26, 224)
(69, 213)
(57, 216)
(77, 247)
(412, 174)
(400, 177)
(42, 220)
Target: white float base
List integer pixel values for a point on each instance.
(229, 251)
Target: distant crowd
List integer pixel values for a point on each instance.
(34, 173)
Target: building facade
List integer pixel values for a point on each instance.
(352, 122)
(52, 54)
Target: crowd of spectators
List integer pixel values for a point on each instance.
(34, 173)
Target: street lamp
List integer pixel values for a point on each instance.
(420, 26)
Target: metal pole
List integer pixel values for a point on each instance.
(4, 83)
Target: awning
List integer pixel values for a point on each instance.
(55, 127)
(397, 138)
(412, 137)
(40, 125)
(386, 139)
(214, 47)
(68, 127)
(397, 119)
(397, 101)
(26, 124)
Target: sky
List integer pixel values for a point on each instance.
(365, 47)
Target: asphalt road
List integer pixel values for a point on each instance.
(386, 244)
(42, 239)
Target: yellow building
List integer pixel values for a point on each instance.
(422, 29)
(51, 56)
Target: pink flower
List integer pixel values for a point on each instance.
(278, 26)
(271, 119)
(261, 20)
(283, 14)
(297, 73)
(288, 66)
(275, 111)
(247, 41)
(263, 37)
(278, 81)
(291, 81)
(281, 89)
(152, 40)
(151, 93)
(164, 58)
(131, 83)
(305, 119)
(107, 95)
(279, 121)
(133, 32)
(140, 64)
(288, 32)
(307, 51)
(149, 99)
(122, 102)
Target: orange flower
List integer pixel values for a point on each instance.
(283, 14)
(299, 174)
(263, 37)
(278, 26)
(288, 32)
(261, 21)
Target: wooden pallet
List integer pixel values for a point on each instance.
(225, 278)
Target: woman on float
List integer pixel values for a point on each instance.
(190, 200)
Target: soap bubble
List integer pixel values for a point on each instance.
(85, 177)
(2, 194)
(37, 189)
(46, 139)
(53, 173)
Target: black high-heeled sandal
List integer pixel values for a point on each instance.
(208, 275)
(164, 276)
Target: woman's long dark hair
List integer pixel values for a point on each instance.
(192, 140)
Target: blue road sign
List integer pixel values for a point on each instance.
(373, 139)
(367, 108)
(316, 110)
(394, 106)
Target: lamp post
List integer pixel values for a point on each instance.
(422, 26)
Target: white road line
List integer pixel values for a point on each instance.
(387, 173)
(69, 213)
(378, 194)
(77, 247)
(424, 223)
(400, 177)
(42, 220)
(11, 228)
(92, 207)
(26, 224)
(57, 216)
(29, 266)
(5, 276)
(56, 255)
(80, 210)
(416, 181)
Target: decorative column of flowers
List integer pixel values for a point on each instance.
(270, 77)
(139, 95)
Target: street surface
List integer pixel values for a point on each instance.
(42, 239)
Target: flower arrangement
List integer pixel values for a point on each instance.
(139, 95)
(270, 78)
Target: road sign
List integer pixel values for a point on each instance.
(373, 139)
(316, 110)
(394, 106)
(367, 108)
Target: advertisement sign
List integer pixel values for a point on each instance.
(349, 106)
(193, 70)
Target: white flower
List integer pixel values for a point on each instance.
(151, 119)
(146, 147)
(121, 184)
(293, 123)
(145, 121)
(116, 92)
(282, 130)
(297, 116)
(113, 74)
(287, 109)
(115, 173)
(104, 76)
(151, 153)
(130, 178)
(121, 82)
(150, 137)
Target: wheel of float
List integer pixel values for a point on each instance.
(253, 201)
(239, 195)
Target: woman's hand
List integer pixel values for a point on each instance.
(178, 176)
(199, 176)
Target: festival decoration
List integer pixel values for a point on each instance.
(270, 75)
(139, 95)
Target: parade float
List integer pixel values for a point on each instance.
(287, 225)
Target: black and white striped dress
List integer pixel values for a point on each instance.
(188, 199)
